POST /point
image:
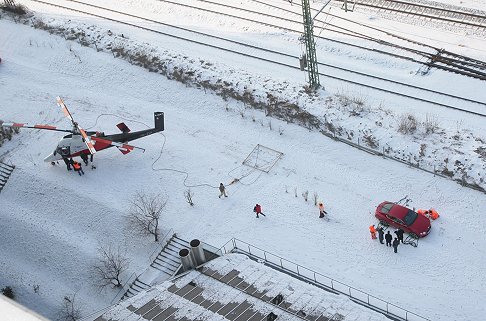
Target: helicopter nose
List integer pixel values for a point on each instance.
(50, 158)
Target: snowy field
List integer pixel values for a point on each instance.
(52, 221)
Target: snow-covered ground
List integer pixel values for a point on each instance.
(52, 221)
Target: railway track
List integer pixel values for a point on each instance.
(275, 57)
(454, 16)
(434, 58)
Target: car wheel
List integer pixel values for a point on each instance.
(384, 223)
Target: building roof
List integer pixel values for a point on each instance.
(233, 287)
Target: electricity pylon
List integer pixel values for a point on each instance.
(310, 46)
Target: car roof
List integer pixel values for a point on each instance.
(398, 211)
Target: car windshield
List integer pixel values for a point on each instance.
(410, 217)
(386, 208)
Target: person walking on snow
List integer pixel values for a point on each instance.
(380, 234)
(373, 232)
(258, 210)
(395, 244)
(321, 210)
(388, 239)
(399, 234)
(222, 190)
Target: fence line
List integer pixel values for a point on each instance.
(321, 280)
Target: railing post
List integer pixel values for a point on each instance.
(368, 299)
(281, 265)
(332, 285)
(265, 255)
(349, 288)
(315, 277)
(298, 273)
(249, 251)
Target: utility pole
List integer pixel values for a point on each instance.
(310, 46)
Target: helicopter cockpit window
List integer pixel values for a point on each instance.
(64, 150)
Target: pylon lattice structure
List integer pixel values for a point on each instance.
(262, 158)
(310, 46)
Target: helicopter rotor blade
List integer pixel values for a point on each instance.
(37, 126)
(86, 138)
(65, 110)
(87, 141)
(124, 148)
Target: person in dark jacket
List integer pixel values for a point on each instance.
(258, 210)
(399, 234)
(381, 233)
(388, 238)
(84, 157)
(222, 190)
(395, 244)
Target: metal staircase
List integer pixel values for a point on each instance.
(5, 172)
(167, 262)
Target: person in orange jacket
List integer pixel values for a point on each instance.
(373, 232)
(433, 214)
(321, 210)
(422, 212)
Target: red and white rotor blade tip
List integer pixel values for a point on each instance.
(61, 104)
(122, 147)
(36, 126)
(87, 140)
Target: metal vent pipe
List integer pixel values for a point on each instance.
(198, 251)
(186, 259)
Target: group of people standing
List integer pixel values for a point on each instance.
(390, 241)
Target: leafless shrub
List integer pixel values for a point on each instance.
(270, 125)
(408, 124)
(111, 264)
(315, 197)
(286, 189)
(242, 113)
(459, 124)
(144, 214)
(10, 5)
(431, 123)
(188, 194)
(305, 195)
(70, 310)
(422, 150)
(253, 118)
(280, 130)
(295, 191)
(370, 140)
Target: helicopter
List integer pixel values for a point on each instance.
(79, 141)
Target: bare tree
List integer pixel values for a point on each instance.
(316, 197)
(305, 195)
(145, 213)
(188, 194)
(70, 310)
(112, 263)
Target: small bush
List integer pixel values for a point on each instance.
(408, 124)
(8, 292)
(11, 6)
(431, 124)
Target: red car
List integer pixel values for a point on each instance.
(389, 213)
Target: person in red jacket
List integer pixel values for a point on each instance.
(258, 210)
